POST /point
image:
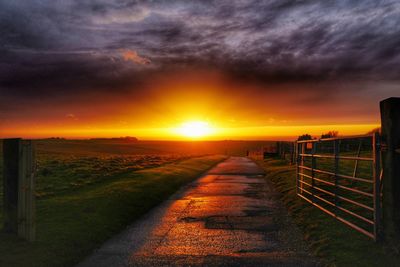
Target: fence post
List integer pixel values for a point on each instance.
(303, 151)
(293, 155)
(279, 148)
(19, 198)
(358, 155)
(377, 186)
(313, 167)
(336, 150)
(11, 152)
(284, 150)
(297, 166)
(390, 120)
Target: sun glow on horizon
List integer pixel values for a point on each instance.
(195, 129)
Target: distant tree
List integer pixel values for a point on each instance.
(304, 137)
(375, 130)
(123, 138)
(330, 134)
(129, 138)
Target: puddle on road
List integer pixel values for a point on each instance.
(248, 223)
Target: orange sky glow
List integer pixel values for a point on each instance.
(196, 70)
(231, 110)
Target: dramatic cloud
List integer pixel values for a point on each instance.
(130, 55)
(73, 48)
(275, 40)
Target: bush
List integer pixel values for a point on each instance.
(330, 134)
(304, 137)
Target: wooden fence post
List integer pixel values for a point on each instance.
(390, 119)
(293, 153)
(19, 187)
(278, 149)
(11, 151)
(376, 150)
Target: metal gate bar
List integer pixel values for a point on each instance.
(330, 195)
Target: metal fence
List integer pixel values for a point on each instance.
(341, 176)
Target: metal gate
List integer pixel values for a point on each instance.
(341, 176)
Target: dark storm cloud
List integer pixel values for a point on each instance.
(63, 47)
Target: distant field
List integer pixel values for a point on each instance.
(89, 190)
(115, 147)
(65, 165)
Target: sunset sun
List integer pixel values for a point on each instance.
(195, 129)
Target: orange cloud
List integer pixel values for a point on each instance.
(70, 115)
(132, 55)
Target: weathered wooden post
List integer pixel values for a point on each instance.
(292, 153)
(376, 150)
(19, 187)
(390, 119)
(277, 148)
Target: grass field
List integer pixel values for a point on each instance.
(116, 147)
(88, 191)
(68, 165)
(328, 238)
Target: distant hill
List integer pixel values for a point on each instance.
(125, 138)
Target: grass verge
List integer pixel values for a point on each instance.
(71, 225)
(329, 239)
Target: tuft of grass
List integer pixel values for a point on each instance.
(73, 223)
(329, 239)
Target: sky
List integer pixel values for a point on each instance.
(249, 69)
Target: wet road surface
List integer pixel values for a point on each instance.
(228, 217)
